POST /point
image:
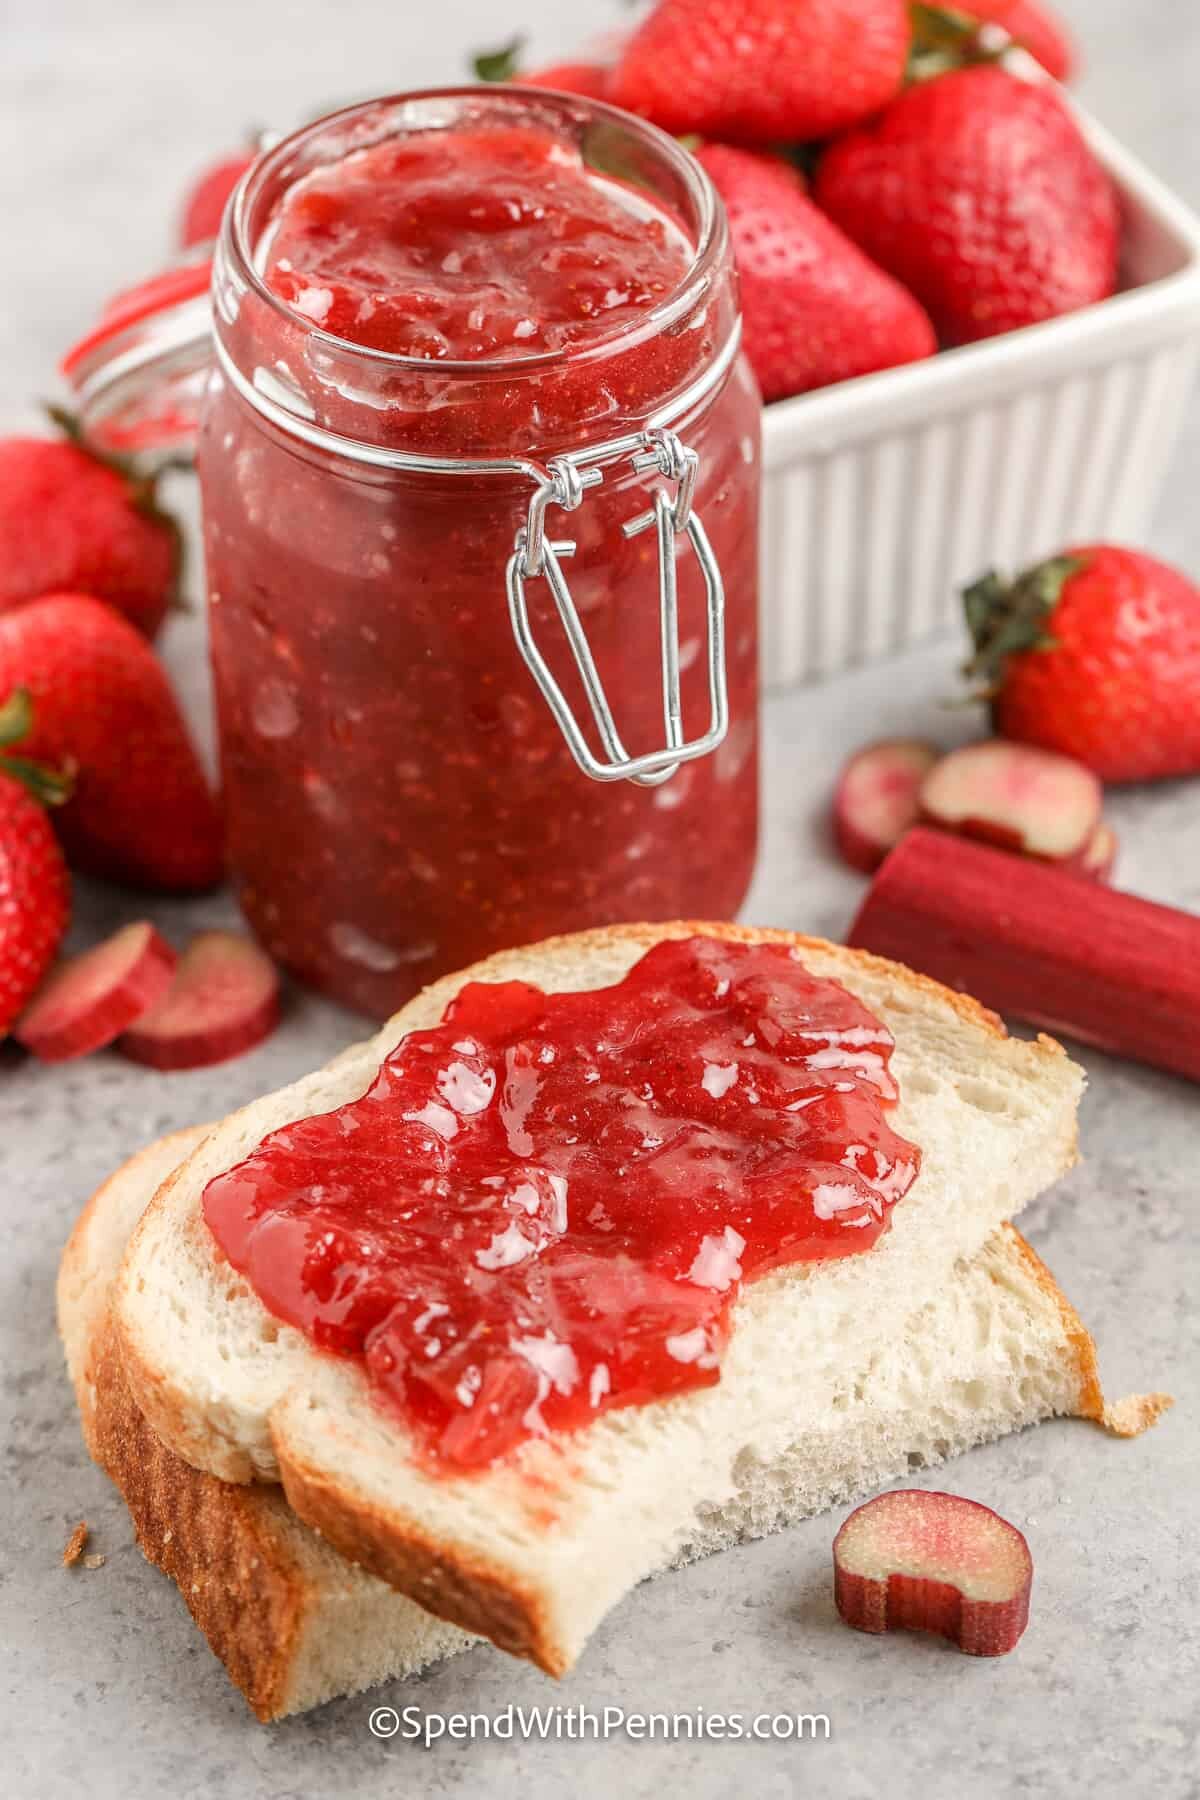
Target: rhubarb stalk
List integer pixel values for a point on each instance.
(1074, 957)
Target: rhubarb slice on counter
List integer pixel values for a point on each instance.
(876, 799)
(91, 999)
(223, 1000)
(1016, 796)
(1074, 957)
(917, 1561)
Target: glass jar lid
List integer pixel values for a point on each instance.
(137, 379)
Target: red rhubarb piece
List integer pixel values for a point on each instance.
(1016, 796)
(915, 1561)
(1029, 939)
(1098, 857)
(91, 999)
(876, 799)
(224, 999)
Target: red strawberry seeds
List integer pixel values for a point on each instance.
(764, 71)
(978, 192)
(816, 310)
(141, 811)
(69, 521)
(1095, 653)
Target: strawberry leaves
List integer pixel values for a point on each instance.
(1007, 618)
(50, 787)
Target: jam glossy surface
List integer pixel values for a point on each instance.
(546, 1205)
(467, 244)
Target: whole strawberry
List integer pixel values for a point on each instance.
(1095, 653)
(978, 192)
(141, 811)
(764, 71)
(34, 886)
(69, 520)
(205, 203)
(815, 309)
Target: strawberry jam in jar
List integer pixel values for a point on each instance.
(479, 465)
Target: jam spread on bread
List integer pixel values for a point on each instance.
(546, 1205)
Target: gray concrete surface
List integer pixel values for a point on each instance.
(107, 1689)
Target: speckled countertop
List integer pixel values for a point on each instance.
(107, 1688)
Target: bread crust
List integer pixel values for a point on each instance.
(473, 1592)
(237, 1575)
(238, 1578)
(1127, 1417)
(84, 1278)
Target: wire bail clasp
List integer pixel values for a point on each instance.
(655, 451)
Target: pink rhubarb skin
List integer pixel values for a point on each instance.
(877, 799)
(919, 1561)
(223, 1000)
(1075, 957)
(91, 999)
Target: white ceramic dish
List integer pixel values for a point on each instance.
(882, 496)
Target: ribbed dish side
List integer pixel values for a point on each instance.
(865, 546)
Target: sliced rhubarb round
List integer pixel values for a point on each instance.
(876, 799)
(224, 999)
(91, 999)
(918, 1561)
(1016, 796)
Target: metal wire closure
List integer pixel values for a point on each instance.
(563, 482)
(656, 450)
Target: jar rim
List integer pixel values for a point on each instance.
(238, 237)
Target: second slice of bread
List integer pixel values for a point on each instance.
(533, 1552)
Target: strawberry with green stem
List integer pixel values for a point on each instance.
(1096, 654)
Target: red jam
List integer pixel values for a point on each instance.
(546, 1205)
(399, 799)
(467, 244)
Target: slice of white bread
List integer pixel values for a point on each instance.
(534, 1551)
(997, 1348)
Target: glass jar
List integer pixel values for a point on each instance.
(401, 798)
